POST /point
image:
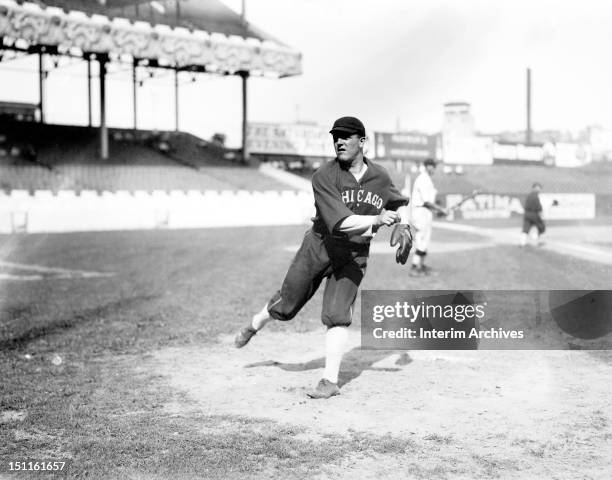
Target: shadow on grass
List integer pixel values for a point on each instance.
(354, 363)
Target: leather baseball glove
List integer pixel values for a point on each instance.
(401, 236)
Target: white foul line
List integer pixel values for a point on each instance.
(41, 269)
(503, 236)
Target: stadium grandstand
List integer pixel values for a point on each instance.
(34, 156)
(517, 179)
(202, 36)
(207, 37)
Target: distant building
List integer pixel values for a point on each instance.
(458, 120)
(404, 146)
(600, 140)
(459, 144)
(23, 112)
(537, 136)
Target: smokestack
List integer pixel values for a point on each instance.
(528, 131)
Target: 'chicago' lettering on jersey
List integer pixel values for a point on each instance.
(362, 196)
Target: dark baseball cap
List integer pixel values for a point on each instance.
(348, 125)
(430, 161)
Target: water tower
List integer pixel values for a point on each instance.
(458, 120)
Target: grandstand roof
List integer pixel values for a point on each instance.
(182, 34)
(208, 15)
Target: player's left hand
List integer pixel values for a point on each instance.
(443, 212)
(387, 217)
(401, 236)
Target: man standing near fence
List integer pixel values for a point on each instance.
(533, 215)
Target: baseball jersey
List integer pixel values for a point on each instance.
(422, 217)
(338, 195)
(532, 203)
(423, 190)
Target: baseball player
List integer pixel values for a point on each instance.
(423, 208)
(353, 198)
(533, 215)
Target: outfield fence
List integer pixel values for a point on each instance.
(41, 211)
(66, 211)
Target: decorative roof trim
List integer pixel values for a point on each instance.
(177, 47)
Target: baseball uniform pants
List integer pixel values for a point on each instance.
(316, 260)
(422, 219)
(533, 219)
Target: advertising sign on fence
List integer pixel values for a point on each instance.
(404, 146)
(290, 139)
(467, 150)
(572, 154)
(556, 206)
(567, 206)
(517, 152)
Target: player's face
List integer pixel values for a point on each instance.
(430, 169)
(347, 146)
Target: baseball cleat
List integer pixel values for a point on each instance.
(324, 389)
(244, 336)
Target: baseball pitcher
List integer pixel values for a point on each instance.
(354, 198)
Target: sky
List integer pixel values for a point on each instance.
(390, 62)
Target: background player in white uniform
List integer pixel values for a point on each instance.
(423, 209)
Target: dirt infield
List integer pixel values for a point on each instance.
(531, 413)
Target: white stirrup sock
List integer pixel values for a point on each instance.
(523, 239)
(261, 318)
(335, 342)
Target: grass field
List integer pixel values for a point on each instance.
(115, 352)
